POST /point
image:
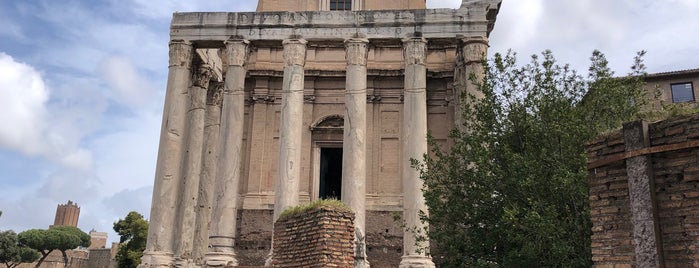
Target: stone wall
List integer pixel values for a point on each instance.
(644, 195)
(319, 237)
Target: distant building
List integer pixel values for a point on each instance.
(67, 214)
(674, 87)
(98, 239)
(94, 256)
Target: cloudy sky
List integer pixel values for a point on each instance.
(82, 86)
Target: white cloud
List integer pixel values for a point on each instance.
(24, 95)
(126, 84)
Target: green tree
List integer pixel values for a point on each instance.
(512, 190)
(61, 238)
(133, 231)
(12, 253)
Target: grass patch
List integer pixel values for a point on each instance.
(328, 203)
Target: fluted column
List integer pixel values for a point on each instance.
(287, 186)
(354, 143)
(415, 252)
(205, 199)
(469, 69)
(223, 222)
(159, 248)
(192, 165)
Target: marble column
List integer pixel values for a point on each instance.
(415, 251)
(192, 164)
(354, 143)
(159, 248)
(286, 191)
(223, 222)
(289, 163)
(205, 200)
(469, 69)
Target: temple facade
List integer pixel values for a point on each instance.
(302, 100)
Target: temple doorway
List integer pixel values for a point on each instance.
(326, 140)
(330, 173)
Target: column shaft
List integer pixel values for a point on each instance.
(205, 199)
(354, 142)
(415, 252)
(469, 69)
(287, 186)
(286, 191)
(196, 115)
(159, 248)
(223, 223)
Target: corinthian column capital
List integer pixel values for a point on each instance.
(474, 48)
(356, 51)
(202, 76)
(414, 50)
(214, 96)
(237, 50)
(294, 52)
(180, 53)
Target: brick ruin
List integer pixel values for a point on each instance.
(644, 194)
(318, 237)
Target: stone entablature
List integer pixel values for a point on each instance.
(473, 19)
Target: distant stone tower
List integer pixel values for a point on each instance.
(67, 215)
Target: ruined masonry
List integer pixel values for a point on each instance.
(644, 195)
(265, 110)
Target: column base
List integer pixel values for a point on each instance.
(220, 259)
(185, 263)
(153, 259)
(416, 261)
(361, 263)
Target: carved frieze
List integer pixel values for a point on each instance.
(414, 50)
(237, 50)
(294, 52)
(180, 53)
(356, 51)
(202, 76)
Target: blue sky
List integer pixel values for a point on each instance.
(82, 86)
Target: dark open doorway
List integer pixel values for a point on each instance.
(330, 173)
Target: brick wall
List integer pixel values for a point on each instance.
(319, 237)
(671, 231)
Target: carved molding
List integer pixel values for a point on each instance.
(214, 96)
(309, 98)
(334, 121)
(356, 51)
(373, 98)
(414, 50)
(237, 50)
(202, 76)
(181, 53)
(268, 99)
(294, 52)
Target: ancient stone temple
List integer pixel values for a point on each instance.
(307, 99)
